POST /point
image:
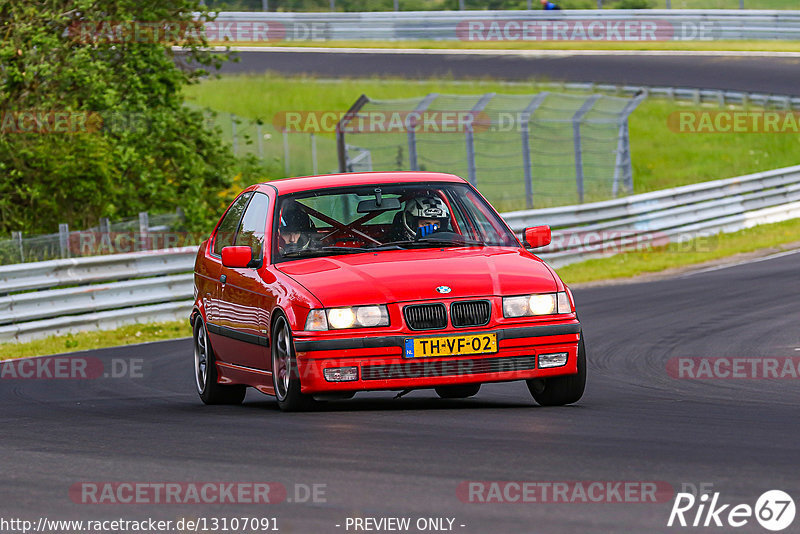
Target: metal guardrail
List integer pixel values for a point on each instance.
(108, 291)
(55, 273)
(679, 214)
(659, 25)
(104, 292)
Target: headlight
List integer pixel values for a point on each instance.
(350, 317)
(537, 304)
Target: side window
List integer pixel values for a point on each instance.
(251, 232)
(227, 228)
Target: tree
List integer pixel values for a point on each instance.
(93, 122)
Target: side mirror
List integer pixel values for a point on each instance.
(239, 258)
(536, 236)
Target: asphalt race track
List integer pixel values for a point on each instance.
(382, 457)
(777, 75)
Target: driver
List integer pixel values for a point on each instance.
(295, 229)
(424, 215)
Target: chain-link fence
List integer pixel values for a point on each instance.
(521, 151)
(145, 232)
(291, 153)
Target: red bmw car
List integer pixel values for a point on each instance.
(319, 287)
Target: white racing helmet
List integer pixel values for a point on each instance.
(425, 207)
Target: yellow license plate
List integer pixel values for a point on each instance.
(434, 347)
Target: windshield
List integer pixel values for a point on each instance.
(385, 217)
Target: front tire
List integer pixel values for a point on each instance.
(461, 391)
(285, 371)
(205, 371)
(561, 390)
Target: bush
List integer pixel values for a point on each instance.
(133, 146)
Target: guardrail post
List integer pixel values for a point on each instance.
(17, 236)
(525, 118)
(264, 5)
(576, 138)
(144, 228)
(470, 138)
(63, 239)
(412, 131)
(622, 165)
(341, 126)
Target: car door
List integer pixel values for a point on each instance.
(223, 237)
(246, 298)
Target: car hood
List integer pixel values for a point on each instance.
(408, 275)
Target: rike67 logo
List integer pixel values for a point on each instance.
(774, 510)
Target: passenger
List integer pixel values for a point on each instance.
(295, 231)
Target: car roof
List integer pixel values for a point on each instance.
(324, 181)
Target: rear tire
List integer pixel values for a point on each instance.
(285, 373)
(561, 390)
(205, 371)
(460, 391)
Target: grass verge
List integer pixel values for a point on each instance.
(126, 335)
(661, 157)
(766, 237)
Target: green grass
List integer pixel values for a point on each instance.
(699, 46)
(661, 158)
(126, 335)
(675, 255)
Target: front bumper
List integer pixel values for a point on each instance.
(381, 364)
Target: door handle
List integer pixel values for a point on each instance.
(223, 278)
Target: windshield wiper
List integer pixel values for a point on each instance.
(336, 249)
(433, 241)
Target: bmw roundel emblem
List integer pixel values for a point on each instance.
(443, 289)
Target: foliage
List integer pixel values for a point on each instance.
(130, 144)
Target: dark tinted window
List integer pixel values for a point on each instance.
(227, 228)
(251, 231)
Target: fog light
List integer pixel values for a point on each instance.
(341, 374)
(553, 360)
